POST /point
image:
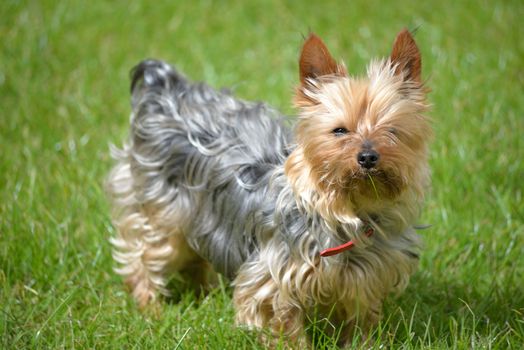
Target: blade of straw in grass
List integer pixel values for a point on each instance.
(373, 184)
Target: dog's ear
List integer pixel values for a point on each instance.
(405, 56)
(316, 61)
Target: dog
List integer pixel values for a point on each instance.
(314, 221)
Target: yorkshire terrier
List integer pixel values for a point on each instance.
(318, 222)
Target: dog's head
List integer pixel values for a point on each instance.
(360, 140)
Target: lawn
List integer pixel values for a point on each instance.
(64, 97)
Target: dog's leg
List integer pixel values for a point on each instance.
(148, 253)
(147, 246)
(358, 324)
(142, 260)
(259, 304)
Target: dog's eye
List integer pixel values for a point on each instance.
(340, 131)
(392, 131)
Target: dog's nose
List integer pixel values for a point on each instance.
(368, 159)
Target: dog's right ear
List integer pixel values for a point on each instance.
(316, 61)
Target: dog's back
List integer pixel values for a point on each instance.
(203, 158)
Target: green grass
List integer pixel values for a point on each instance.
(64, 97)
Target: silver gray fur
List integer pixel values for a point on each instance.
(209, 155)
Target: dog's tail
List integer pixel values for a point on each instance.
(157, 77)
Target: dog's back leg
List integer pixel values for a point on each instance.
(147, 247)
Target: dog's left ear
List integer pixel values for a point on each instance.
(406, 56)
(316, 61)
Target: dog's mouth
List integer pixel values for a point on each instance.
(375, 183)
(363, 175)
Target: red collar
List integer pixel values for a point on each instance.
(343, 247)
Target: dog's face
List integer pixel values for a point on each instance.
(361, 138)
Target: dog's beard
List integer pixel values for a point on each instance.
(374, 184)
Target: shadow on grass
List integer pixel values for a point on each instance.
(432, 311)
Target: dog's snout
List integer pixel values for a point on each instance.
(368, 158)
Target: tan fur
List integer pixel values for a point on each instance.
(326, 178)
(344, 294)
